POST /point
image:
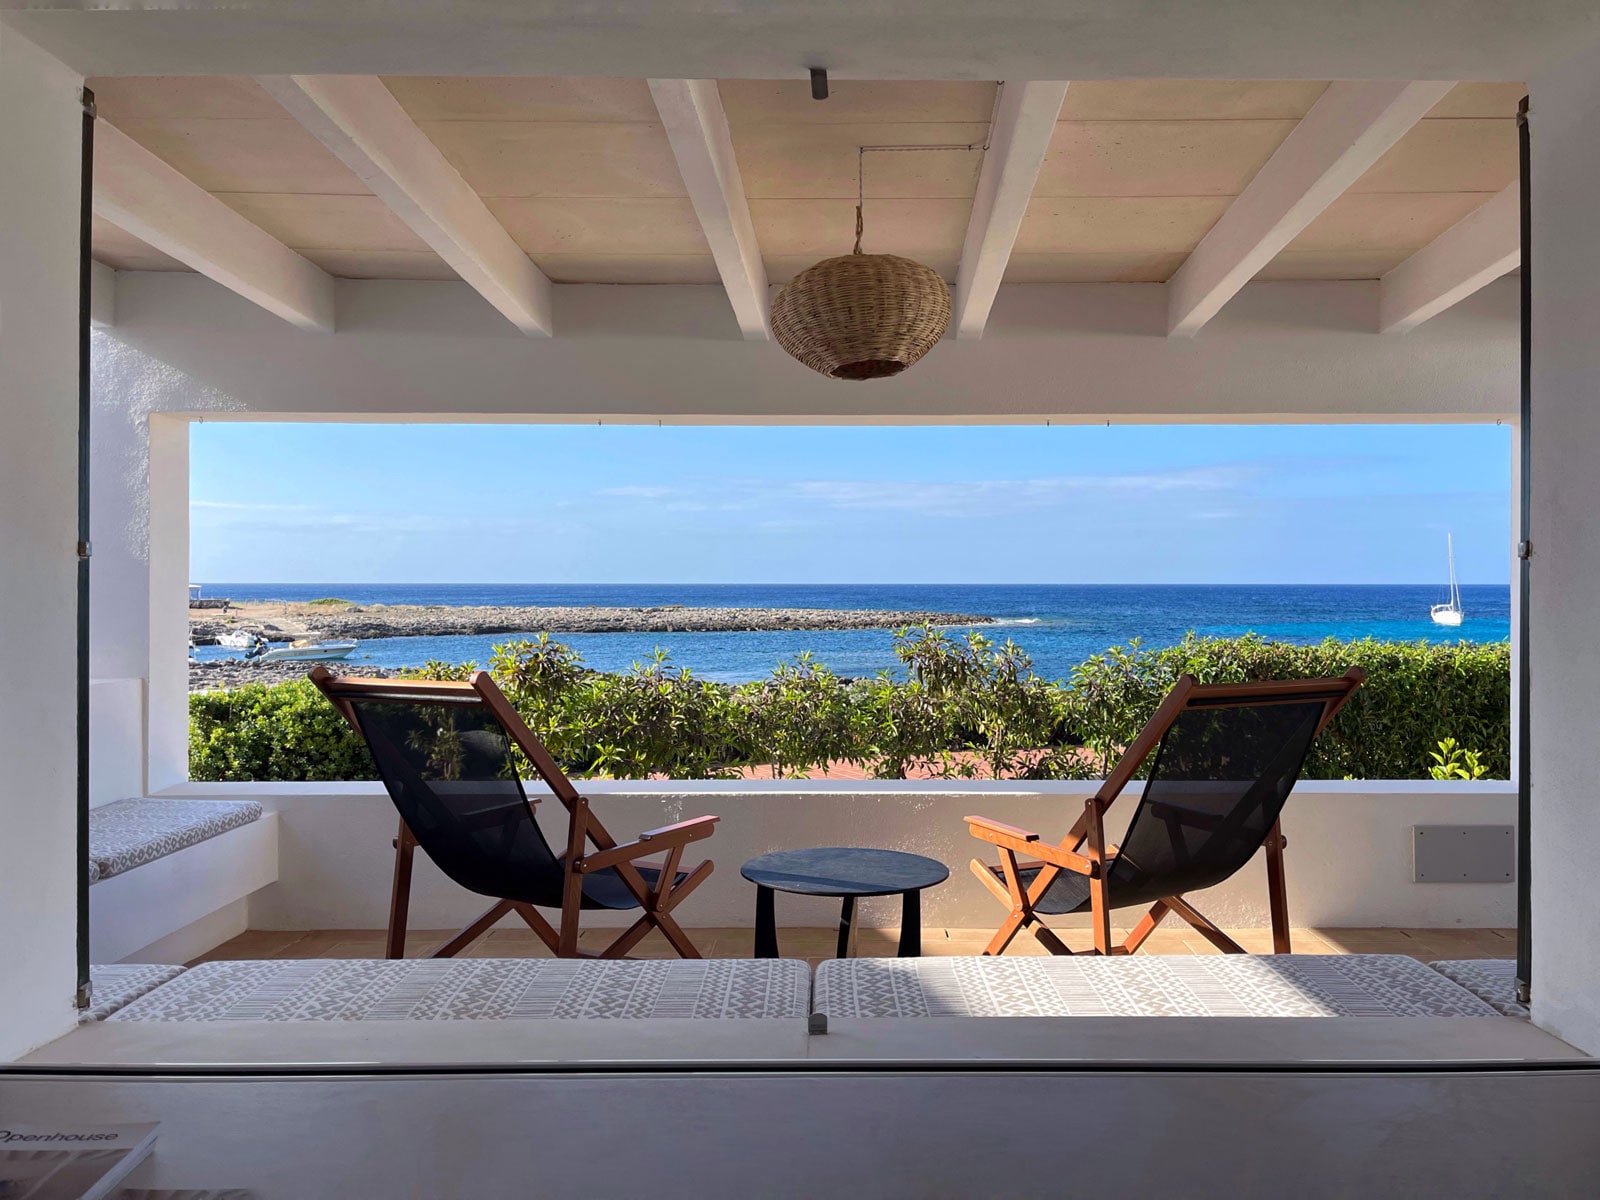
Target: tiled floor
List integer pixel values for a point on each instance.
(816, 944)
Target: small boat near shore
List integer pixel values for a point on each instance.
(237, 639)
(304, 650)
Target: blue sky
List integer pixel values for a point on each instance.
(986, 504)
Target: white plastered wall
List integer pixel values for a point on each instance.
(1564, 652)
(1349, 857)
(40, 117)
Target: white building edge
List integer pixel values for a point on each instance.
(176, 348)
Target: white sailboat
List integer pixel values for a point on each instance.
(1450, 613)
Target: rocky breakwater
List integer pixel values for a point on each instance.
(232, 672)
(278, 620)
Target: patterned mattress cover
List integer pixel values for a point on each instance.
(1492, 980)
(475, 989)
(1232, 985)
(120, 984)
(130, 833)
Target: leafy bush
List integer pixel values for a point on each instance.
(961, 707)
(329, 601)
(282, 731)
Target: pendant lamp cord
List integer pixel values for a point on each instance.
(861, 175)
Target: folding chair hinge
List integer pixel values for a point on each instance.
(817, 1024)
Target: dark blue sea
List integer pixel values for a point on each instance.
(1059, 625)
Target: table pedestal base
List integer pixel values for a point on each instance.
(910, 925)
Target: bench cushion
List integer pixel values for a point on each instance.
(479, 989)
(130, 833)
(1233, 985)
(115, 986)
(1492, 980)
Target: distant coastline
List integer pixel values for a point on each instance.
(1059, 626)
(331, 617)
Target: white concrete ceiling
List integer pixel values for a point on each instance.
(581, 175)
(778, 39)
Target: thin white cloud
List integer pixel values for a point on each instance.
(933, 498)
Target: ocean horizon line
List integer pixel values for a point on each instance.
(638, 583)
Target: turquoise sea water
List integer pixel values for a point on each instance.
(1059, 625)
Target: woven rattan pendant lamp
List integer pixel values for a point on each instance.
(861, 316)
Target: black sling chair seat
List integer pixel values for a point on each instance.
(452, 757)
(1225, 758)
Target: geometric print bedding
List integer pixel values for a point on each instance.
(120, 984)
(1493, 980)
(1232, 985)
(130, 833)
(478, 989)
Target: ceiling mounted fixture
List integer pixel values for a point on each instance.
(863, 316)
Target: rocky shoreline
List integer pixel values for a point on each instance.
(232, 672)
(279, 621)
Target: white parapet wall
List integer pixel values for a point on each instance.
(1349, 856)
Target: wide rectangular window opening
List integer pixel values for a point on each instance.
(827, 606)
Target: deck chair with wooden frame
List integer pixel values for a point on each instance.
(1223, 759)
(447, 753)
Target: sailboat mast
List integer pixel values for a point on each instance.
(1455, 588)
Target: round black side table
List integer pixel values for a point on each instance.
(846, 872)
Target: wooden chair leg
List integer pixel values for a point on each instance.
(1047, 938)
(1146, 926)
(535, 921)
(1203, 925)
(986, 877)
(1021, 914)
(572, 884)
(1009, 928)
(1095, 852)
(628, 938)
(470, 933)
(400, 895)
(674, 933)
(1277, 895)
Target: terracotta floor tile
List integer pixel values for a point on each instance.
(653, 945)
(1465, 943)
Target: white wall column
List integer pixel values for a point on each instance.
(1564, 651)
(40, 117)
(168, 762)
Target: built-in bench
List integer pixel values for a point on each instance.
(158, 866)
(510, 989)
(130, 833)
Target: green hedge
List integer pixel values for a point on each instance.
(961, 706)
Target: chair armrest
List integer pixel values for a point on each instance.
(692, 830)
(981, 827)
(653, 841)
(1009, 837)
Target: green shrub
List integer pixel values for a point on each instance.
(961, 707)
(285, 731)
(329, 601)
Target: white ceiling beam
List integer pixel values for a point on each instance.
(1472, 253)
(1347, 130)
(138, 192)
(359, 119)
(691, 111)
(1024, 121)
